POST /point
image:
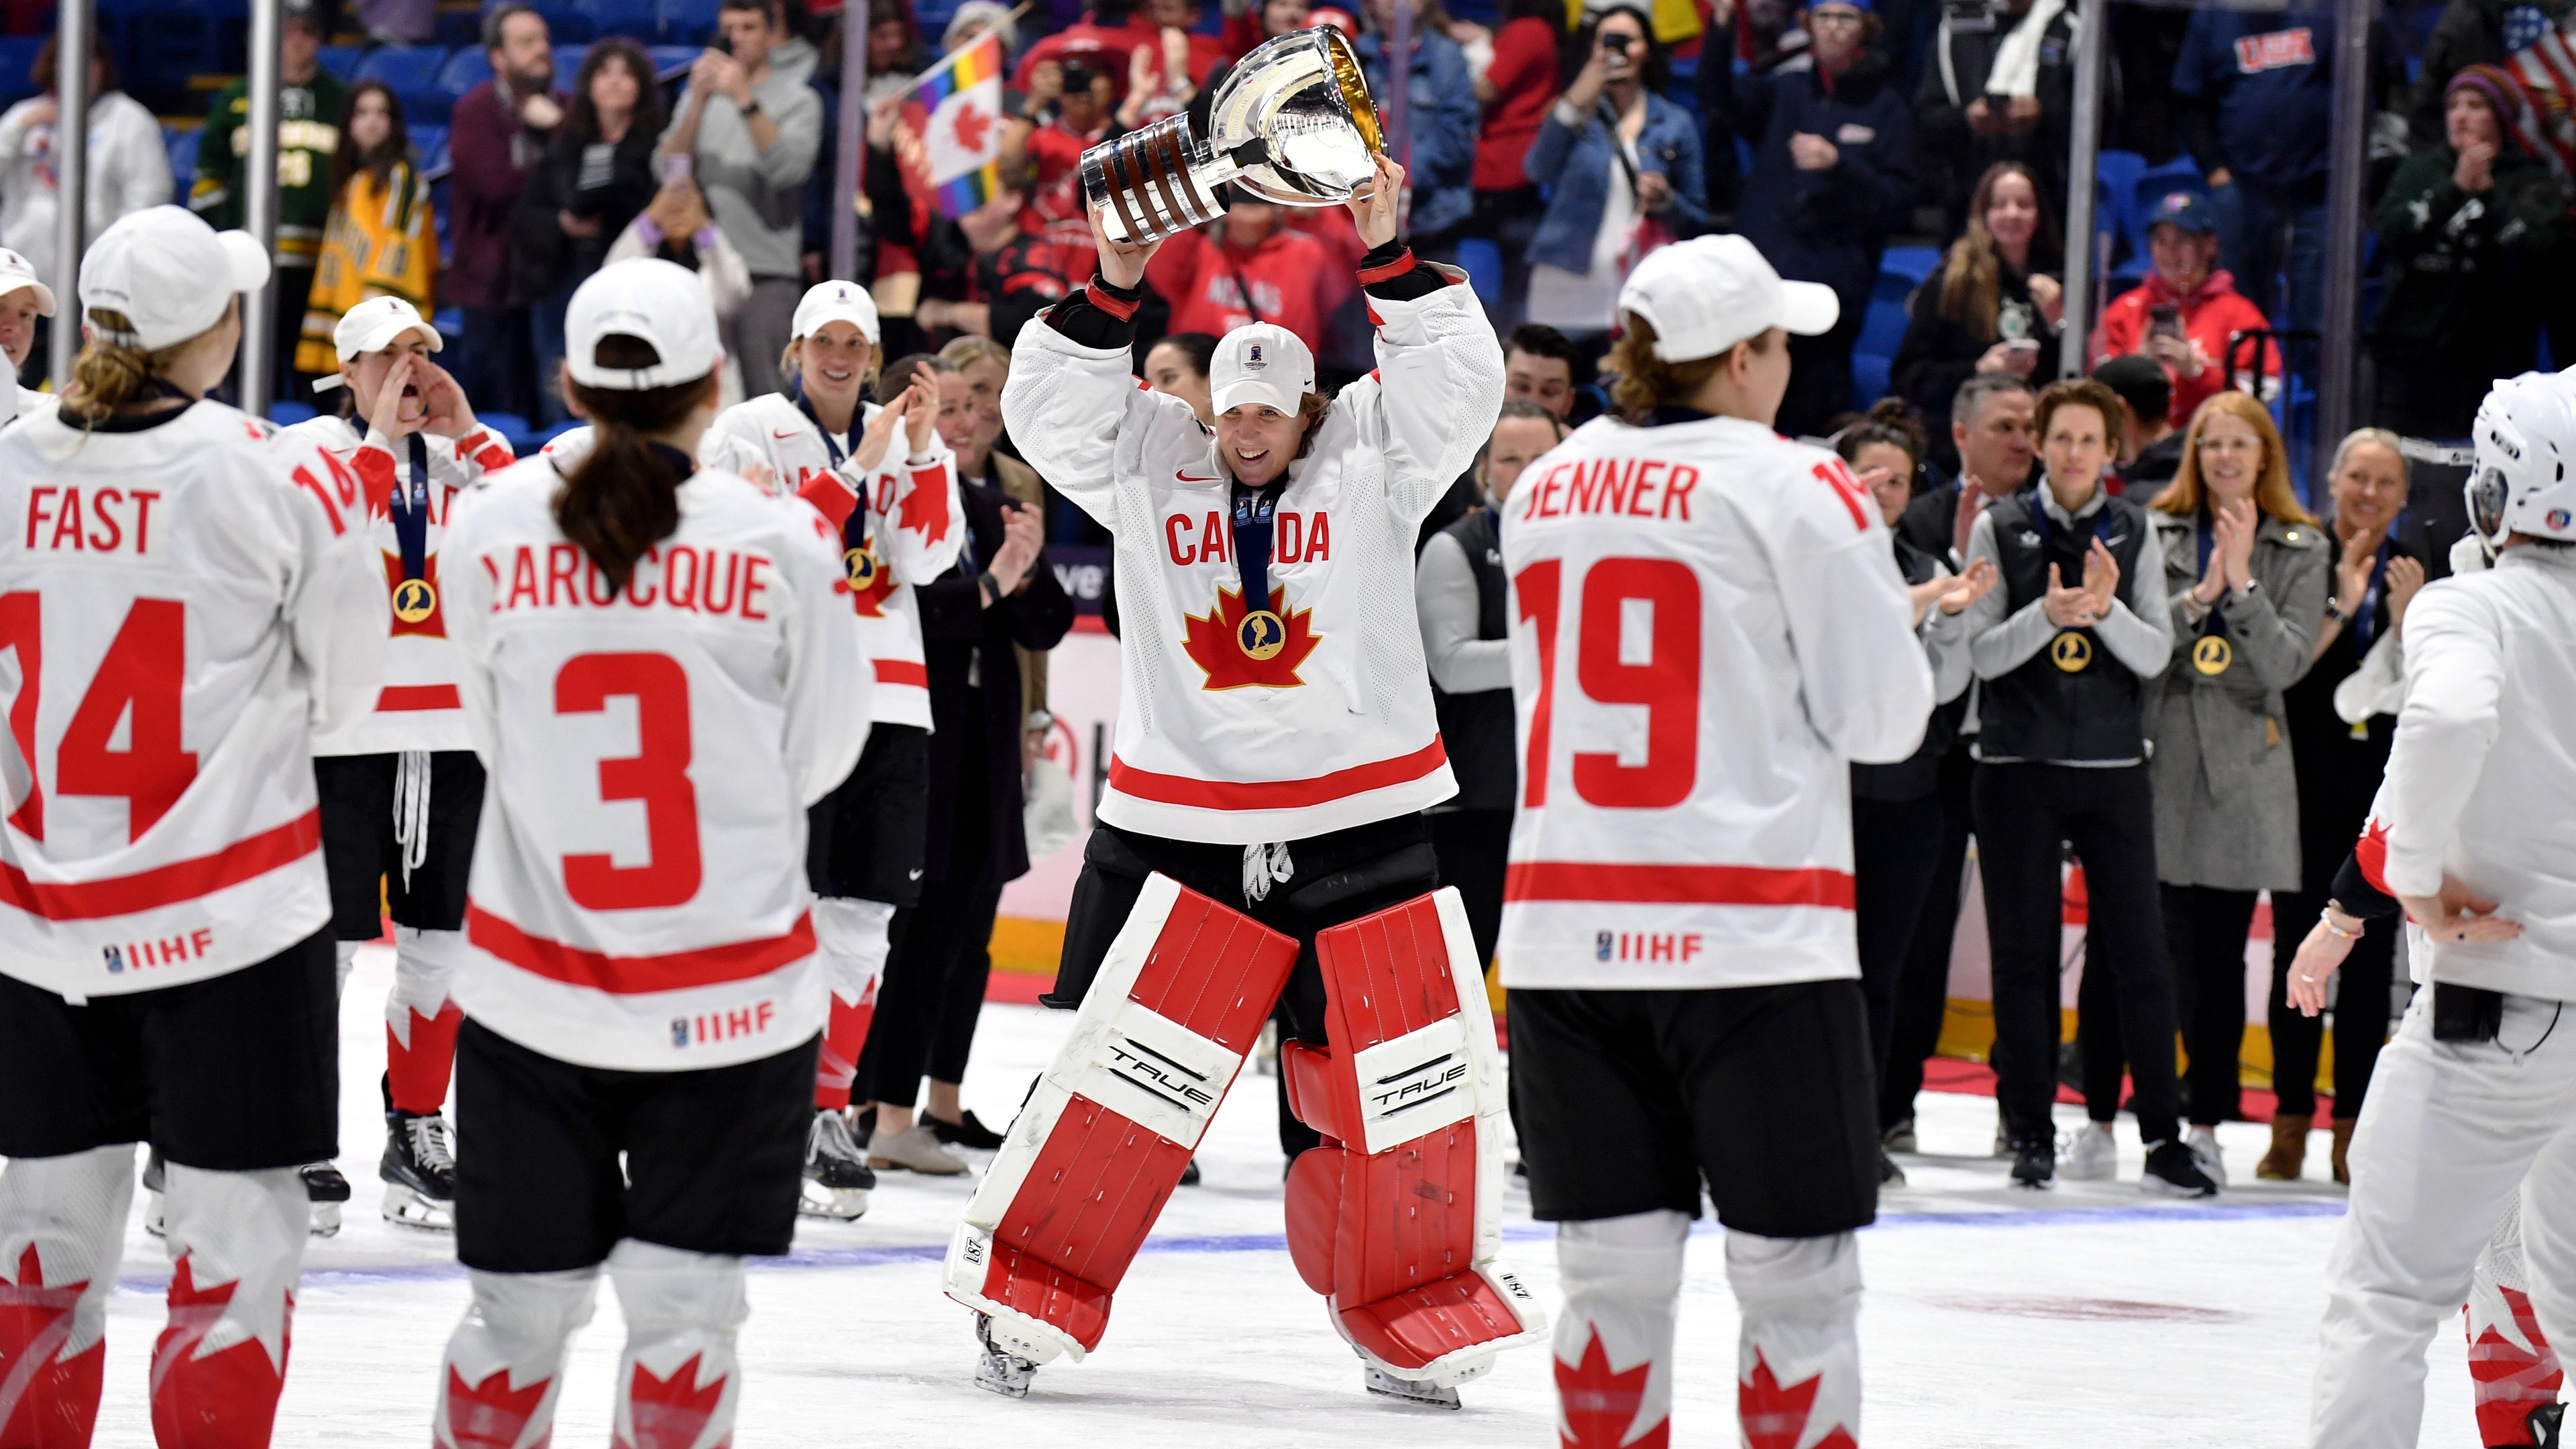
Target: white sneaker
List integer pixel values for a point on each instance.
(914, 1149)
(2089, 1154)
(2203, 1142)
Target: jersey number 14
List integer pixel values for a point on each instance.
(138, 684)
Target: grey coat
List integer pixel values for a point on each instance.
(2227, 797)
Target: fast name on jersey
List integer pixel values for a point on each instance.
(712, 581)
(102, 524)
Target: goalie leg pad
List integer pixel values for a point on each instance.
(1397, 1217)
(238, 1240)
(62, 1222)
(504, 1367)
(1798, 1349)
(420, 1021)
(1176, 1007)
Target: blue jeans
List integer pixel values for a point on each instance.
(2267, 237)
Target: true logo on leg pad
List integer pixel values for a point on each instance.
(1415, 1084)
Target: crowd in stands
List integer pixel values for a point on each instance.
(481, 161)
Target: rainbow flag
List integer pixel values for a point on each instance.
(959, 119)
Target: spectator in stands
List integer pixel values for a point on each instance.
(2470, 231)
(1178, 366)
(1991, 431)
(1250, 22)
(1440, 164)
(1896, 809)
(677, 227)
(309, 102)
(1624, 164)
(598, 174)
(1990, 306)
(497, 136)
(128, 167)
(1999, 87)
(751, 134)
(984, 276)
(381, 241)
(2258, 96)
(2378, 562)
(973, 19)
(2150, 445)
(2246, 570)
(1833, 175)
(1246, 268)
(2186, 315)
(1513, 93)
(1540, 366)
(978, 369)
(1463, 602)
(26, 313)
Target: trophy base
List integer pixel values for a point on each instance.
(1154, 182)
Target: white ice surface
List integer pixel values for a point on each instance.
(2086, 1318)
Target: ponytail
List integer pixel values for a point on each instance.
(111, 375)
(623, 497)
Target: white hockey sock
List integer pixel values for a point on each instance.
(851, 937)
(677, 1381)
(420, 1022)
(238, 1239)
(504, 1367)
(1614, 1341)
(1798, 1356)
(62, 1223)
(345, 957)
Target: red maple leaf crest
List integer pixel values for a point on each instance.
(1599, 1405)
(491, 1414)
(972, 127)
(1774, 1417)
(2508, 1380)
(670, 1413)
(1210, 640)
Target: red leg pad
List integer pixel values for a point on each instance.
(1308, 1071)
(1315, 1210)
(225, 1400)
(46, 1402)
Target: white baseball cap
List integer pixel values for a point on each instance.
(835, 302)
(1707, 294)
(659, 302)
(169, 274)
(378, 323)
(1260, 362)
(16, 272)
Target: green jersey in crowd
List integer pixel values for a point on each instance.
(308, 133)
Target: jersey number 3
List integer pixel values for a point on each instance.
(656, 774)
(138, 685)
(1665, 682)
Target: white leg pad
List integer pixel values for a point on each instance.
(678, 1382)
(1623, 1284)
(62, 1229)
(504, 1367)
(1798, 1354)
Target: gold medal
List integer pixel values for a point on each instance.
(415, 600)
(2070, 652)
(862, 564)
(1261, 635)
(2211, 655)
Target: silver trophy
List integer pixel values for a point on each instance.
(1292, 123)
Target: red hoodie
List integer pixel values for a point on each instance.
(2211, 313)
(1290, 276)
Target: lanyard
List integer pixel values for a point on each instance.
(854, 529)
(2366, 618)
(2038, 510)
(411, 513)
(2213, 622)
(1252, 527)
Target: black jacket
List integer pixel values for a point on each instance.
(975, 727)
(542, 256)
(1939, 353)
(1955, 70)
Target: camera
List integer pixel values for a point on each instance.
(1078, 76)
(1618, 44)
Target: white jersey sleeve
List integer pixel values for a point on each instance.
(1861, 669)
(335, 604)
(1432, 401)
(1079, 413)
(2455, 670)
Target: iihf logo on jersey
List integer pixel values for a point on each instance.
(1601, 944)
(115, 959)
(715, 1026)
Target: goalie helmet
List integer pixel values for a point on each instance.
(2526, 443)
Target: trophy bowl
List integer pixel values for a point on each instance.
(1292, 123)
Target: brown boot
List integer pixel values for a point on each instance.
(2342, 1143)
(2289, 1152)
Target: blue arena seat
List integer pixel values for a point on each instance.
(566, 21)
(429, 146)
(464, 70)
(633, 19)
(691, 22)
(17, 60)
(568, 59)
(1911, 263)
(1482, 261)
(411, 73)
(341, 60)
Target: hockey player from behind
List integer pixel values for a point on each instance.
(185, 600)
(901, 525)
(400, 786)
(661, 672)
(2473, 1103)
(1262, 833)
(1706, 633)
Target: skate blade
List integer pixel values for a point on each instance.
(406, 1208)
(155, 1220)
(1011, 1382)
(326, 1220)
(1409, 1391)
(840, 1204)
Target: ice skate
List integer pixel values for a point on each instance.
(2035, 1163)
(1411, 1391)
(2091, 1154)
(1190, 1173)
(1000, 1370)
(2545, 1422)
(155, 1219)
(325, 1189)
(419, 1170)
(1889, 1174)
(2174, 1171)
(837, 1178)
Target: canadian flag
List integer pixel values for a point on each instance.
(958, 115)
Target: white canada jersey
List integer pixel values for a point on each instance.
(418, 707)
(1707, 629)
(638, 900)
(182, 607)
(2481, 781)
(915, 527)
(1324, 722)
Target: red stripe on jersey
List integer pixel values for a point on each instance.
(902, 671)
(1677, 885)
(167, 885)
(636, 975)
(397, 697)
(1126, 779)
(1403, 263)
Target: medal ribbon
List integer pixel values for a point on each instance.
(411, 514)
(2212, 622)
(854, 529)
(1252, 525)
(2366, 618)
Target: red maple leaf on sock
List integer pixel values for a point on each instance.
(2509, 1381)
(1775, 1417)
(671, 1413)
(225, 1397)
(491, 1414)
(1600, 1405)
(55, 1401)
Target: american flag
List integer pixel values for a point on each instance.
(2538, 101)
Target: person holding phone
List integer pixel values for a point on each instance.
(2183, 314)
(1992, 305)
